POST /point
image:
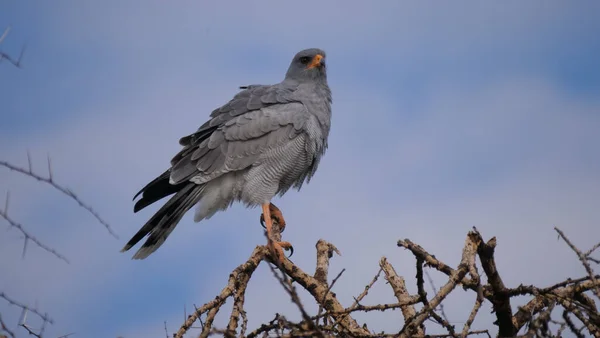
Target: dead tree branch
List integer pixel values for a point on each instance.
(4, 56)
(579, 310)
(28, 237)
(66, 191)
(25, 310)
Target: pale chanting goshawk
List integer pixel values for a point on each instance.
(266, 140)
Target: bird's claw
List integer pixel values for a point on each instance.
(290, 248)
(276, 249)
(276, 216)
(262, 221)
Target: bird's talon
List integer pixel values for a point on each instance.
(276, 249)
(288, 247)
(262, 221)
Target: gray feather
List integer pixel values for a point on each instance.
(264, 141)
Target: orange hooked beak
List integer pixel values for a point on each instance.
(316, 62)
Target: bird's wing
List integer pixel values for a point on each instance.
(241, 134)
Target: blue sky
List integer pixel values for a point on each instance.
(445, 117)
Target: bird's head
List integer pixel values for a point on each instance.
(308, 64)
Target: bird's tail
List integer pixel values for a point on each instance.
(159, 227)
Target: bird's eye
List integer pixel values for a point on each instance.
(304, 60)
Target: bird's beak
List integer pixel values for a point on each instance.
(316, 62)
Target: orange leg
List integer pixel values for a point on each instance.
(275, 247)
(276, 215)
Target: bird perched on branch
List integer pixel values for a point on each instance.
(266, 140)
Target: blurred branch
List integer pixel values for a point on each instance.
(25, 310)
(27, 236)
(4, 328)
(50, 180)
(583, 258)
(5, 56)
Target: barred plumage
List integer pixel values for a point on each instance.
(266, 140)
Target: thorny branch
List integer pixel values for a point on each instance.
(66, 191)
(579, 311)
(5, 56)
(28, 237)
(23, 321)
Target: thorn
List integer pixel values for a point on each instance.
(49, 169)
(23, 316)
(6, 202)
(5, 34)
(25, 247)
(29, 161)
(21, 56)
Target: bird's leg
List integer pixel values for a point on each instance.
(276, 215)
(276, 247)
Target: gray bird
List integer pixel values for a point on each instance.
(266, 140)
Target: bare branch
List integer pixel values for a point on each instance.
(4, 328)
(27, 236)
(5, 34)
(470, 249)
(50, 180)
(248, 267)
(583, 258)
(432, 284)
(339, 321)
(400, 291)
(500, 298)
(325, 251)
(472, 316)
(368, 287)
(23, 321)
(5, 56)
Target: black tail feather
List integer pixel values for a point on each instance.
(164, 220)
(156, 190)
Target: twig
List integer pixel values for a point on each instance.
(4, 56)
(368, 287)
(291, 290)
(399, 287)
(576, 331)
(470, 248)
(433, 262)
(238, 303)
(27, 236)
(435, 291)
(590, 251)
(592, 327)
(5, 34)
(582, 258)
(50, 180)
(319, 292)
(43, 317)
(541, 301)
(472, 315)
(326, 293)
(249, 266)
(23, 321)
(5, 328)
